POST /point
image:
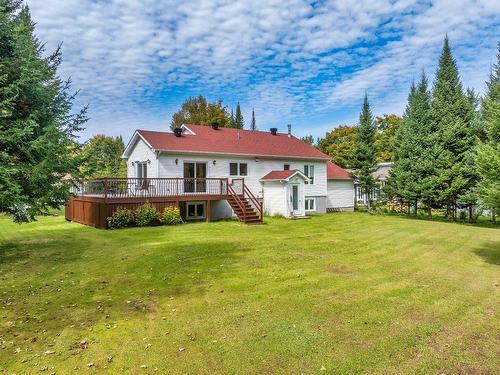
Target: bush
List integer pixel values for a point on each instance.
(170, 216)
(145, 215)
(121, 218)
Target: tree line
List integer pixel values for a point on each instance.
(445, 149)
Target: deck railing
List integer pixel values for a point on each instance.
(155, 187)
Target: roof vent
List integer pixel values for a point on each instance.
(215, 125)
(274, 131)
(178, 132)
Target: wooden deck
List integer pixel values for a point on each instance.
(96, 200)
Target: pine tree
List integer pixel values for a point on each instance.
(488, 154)
(253, 125)
(363, 157)
(452, 121)
(238, 118)
(37, 129)
(412, 173)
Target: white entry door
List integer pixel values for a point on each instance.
(295, 199)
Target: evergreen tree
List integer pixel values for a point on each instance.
(488, 153)
(363, 158)
(412, 174)
(37, 129)
(231, 120)
(451, 117)
(253, 125)
(309, 139)
(238, 118)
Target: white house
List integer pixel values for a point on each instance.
(340, 189)
(281, 172)
(380, 176)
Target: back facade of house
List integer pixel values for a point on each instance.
(213, 173)
(201, 160)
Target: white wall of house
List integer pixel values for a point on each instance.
(275, 198)
(340, 194)
(141, 152)
(255, 170)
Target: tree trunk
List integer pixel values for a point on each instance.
(470, 213)
(493, 216)
(429, 210)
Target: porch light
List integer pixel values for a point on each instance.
(214, 161)
(176, 161)
(257, 160)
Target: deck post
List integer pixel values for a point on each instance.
(209, 210)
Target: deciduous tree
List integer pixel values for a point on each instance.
(201, 112)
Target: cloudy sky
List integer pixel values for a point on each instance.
(298, 62)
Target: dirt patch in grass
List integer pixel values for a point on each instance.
(339, 269)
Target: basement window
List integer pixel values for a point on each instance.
(195, 210)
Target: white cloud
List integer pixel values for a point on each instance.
(135, 61)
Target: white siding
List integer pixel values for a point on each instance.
(275, 198)
(140, 153)
(340, 194)
(256, 170)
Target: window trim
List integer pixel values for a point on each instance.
(314, 204)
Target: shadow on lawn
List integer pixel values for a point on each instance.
(490, 252)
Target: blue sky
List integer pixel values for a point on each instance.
(298, 62)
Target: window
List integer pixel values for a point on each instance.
(238, 169)
(309, 172)
(286, 167)
(142, 170)
(310, 204)
(243, 169)
(195, 210)
(233, 169)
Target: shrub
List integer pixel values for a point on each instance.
(121, 218)
(170, 216)
(145, 215)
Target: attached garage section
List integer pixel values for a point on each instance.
(340, 189)
(340, 195)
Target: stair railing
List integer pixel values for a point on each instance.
(238, 200)
(257, 204)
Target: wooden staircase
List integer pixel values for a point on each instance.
(246, 207)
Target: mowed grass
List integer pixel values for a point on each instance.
(340, 293)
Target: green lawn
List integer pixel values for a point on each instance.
(340, 293)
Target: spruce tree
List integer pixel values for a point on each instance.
(488, 153)
(363, 157)
(238, 118)
(37, 129)
(253, 125)
(451, 118)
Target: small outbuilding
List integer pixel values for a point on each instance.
(340, 189)
(284, 193)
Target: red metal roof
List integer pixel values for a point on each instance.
(279, 175)
(334, 172)
(232, 141)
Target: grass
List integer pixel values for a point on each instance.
(340, 293)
